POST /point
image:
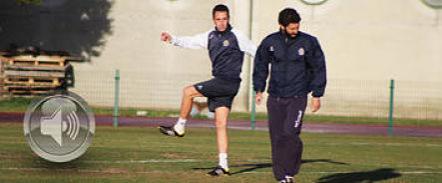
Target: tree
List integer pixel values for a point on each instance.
(77, 26)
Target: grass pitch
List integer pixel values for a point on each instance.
(142, 154)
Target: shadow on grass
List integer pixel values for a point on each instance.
(356, 177)
(323, 161)
(249, 167)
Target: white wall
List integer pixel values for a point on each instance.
(366, 42)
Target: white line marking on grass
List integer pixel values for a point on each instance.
(147, 161)
(12, 142)
(12, 137)
(66, 170)
(332, 172)
(405, 172)
(383, 144)
(25, 169)
(405, 166)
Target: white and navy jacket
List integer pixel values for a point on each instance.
(226, 50)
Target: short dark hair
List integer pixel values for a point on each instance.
(287, 16)
(220, 7)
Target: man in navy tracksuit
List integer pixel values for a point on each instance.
(297, 68)
(226, 48)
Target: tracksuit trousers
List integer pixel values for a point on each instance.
(285, 123)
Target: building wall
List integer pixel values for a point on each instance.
(154, 73)
(366, 43)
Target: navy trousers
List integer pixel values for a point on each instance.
(285, 123)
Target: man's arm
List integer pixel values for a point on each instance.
(260, 71)
(245, 44)
(316, 62)
(194, 42)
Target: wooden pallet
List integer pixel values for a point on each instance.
(45, 74)
(40, 60)
(2, 79)
(29, 87)
(32, 81)
(23, 86)
(2, 86)
(2, 66)
(34, 68)
(27, 92)
(27, 74)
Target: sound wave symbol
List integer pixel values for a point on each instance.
(72, 126)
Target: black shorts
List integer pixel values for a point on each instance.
(219, 92)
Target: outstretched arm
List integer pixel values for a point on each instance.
(194, 42)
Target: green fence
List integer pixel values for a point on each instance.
(344, 97)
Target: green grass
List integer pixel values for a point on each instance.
(14, 104)
(116, 155)
(20, 104)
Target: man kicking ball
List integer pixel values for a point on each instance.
(226, 48)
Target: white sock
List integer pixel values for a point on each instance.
(288, 177)
(179, 125)
(223, 161)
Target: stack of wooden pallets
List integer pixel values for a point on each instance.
(28, 74)
(1, 77)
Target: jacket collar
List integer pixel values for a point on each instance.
(287, 38)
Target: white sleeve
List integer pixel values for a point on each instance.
(245, 44)
(194, 42)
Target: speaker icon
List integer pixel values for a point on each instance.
(72, 126)
(54, 126)
(59, 127)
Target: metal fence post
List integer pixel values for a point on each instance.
(253, 115)
(116, 97)
(253, 111)
(390, 113)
